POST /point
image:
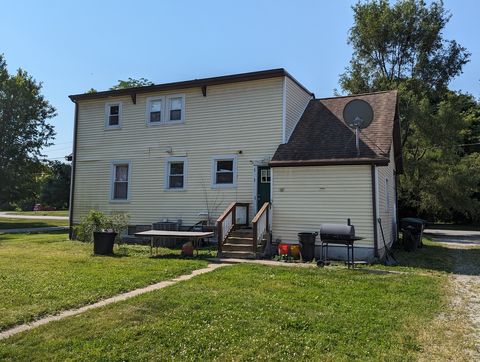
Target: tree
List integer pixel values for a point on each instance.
(131, 83)
(24, 131)
(56, 186)
(401, 46)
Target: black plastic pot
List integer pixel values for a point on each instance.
(103, 243)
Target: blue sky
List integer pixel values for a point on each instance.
(74, 46)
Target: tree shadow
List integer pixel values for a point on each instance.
(464, 261)
(204, 253)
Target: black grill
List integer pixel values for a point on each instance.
(343, 234)
(339, 232)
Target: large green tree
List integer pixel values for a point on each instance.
(131, 83)
(24, 131)
(401, 46)
(56, 185)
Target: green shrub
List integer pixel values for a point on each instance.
(97, 221)
(94, 221)
(118, 223)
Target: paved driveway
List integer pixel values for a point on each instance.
(32, 217)
(464, 237)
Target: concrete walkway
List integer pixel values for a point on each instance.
(117, 298)
(6, 214)
(33, 230)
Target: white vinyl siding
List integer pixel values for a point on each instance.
(242, 119)
(296, 101)
(305, 197)
(386, 202)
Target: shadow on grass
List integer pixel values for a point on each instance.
(27, 224)
(441, 258)
(19, 236)
(165, 253)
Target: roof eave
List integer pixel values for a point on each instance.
(332, 162)
(234, 78)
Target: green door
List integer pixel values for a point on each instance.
(263, 186)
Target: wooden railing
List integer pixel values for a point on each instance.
(261, 225)
(227, 222)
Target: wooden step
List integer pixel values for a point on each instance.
(239, 240)
(242, 232)
(237, 254)
(237, 247)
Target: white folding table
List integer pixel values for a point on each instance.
(195, 236)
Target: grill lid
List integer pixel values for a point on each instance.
(337, 232)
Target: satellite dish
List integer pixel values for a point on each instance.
(358, 114)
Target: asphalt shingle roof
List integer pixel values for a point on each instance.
(322, 137)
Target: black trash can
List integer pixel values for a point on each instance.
(103, 243)
(307, 241)
(412, 229)
(410, 240)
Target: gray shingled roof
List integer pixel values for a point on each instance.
(321, 136)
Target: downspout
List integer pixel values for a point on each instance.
(374, 206)
(397, 212)
(284, 110)
(72, 178)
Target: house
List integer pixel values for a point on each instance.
(254, 148)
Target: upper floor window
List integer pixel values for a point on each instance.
(164, 110)
(224, 171)
(113, 115)
(176, 171)
(175, 108)
(120, 181)
(155, 110)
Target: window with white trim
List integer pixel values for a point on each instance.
(155, 110)
(224, 171)
(175, 108)
(176, 173)
(113, 115)
(265, 176)
(120, 181)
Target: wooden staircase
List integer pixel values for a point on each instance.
(239, 241)
(239, 245)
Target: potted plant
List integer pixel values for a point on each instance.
(117, 224)
(102, 229)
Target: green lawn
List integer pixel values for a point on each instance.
(41, 213)
(250, 312)
(44, 273)
(434, 257)
(14, 223)
(237, 312)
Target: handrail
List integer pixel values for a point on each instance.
(260, 224)
(226, 222)
(260, 212)
(226, 212)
